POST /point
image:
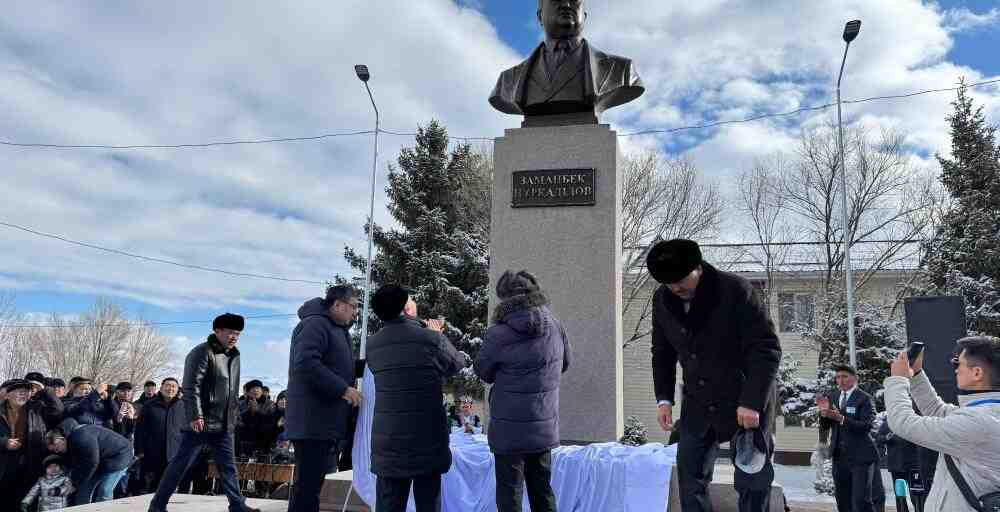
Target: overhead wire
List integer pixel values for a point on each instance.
(154, 259)
(481, 138)
(135, 323)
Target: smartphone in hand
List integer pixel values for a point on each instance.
(912, 353)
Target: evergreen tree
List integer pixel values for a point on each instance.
(963, 258)
(635, 432)
(440, 201)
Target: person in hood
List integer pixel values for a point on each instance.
(211, 390)
(320, 390)
(410, 361)
(525, 353)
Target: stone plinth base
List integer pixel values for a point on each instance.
(335, 492)
(723, 494)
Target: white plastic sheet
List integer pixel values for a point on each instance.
(605, 477)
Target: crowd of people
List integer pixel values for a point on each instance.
(70, 444)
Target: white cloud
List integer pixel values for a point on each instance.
(962, 19)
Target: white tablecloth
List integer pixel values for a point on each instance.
(604, 477)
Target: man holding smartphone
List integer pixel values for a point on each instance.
(849, 413)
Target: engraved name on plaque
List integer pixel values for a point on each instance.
(561, 187)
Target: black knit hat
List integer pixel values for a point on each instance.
(13, 384)
(252, 384)
(511, 284)
(672, 260)
(124, 385)
(228, 321)
(149, 383)
(389, 301)
(56, 382)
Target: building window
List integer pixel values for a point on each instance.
(796, 311)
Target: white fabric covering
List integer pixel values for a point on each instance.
(605, 477)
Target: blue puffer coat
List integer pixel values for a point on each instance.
(524, 356)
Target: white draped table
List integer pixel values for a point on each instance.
(604, 477)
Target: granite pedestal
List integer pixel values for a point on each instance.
(576, 254)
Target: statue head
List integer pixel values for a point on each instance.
(562, 19)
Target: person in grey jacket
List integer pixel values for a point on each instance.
(524, 355)
(52, 489)
(969, 432)
(410, 361)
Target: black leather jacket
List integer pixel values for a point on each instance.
(211, 385)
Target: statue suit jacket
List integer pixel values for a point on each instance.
(609, 81)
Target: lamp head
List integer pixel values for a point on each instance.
(362, 71)
(851, 30)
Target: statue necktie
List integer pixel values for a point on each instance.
(559, 55)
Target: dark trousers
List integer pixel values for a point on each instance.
(514, 472)
(393, 493)
(192, 443)
(313, 460)
(696, 456)
(853, 486)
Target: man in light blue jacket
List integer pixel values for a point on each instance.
(969, 432)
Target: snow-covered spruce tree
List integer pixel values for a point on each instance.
(963, 258)
(635, 432)
(440, 200)
(878, 338)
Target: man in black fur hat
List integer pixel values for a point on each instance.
(716, 326)
(211, 396)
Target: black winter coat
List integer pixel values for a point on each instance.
(25, 464)
(212, 385)
(320, 368)
(900, 455)
(852, 443)
(90, 409)
(410, 431)
(93, 449)
(258, 427)
(727, 347)
(158, 432)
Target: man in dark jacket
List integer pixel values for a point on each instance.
(849, 413)
(23, 424)
(524, 356)
(211, 394)
(320, 395)
(902, 458)
(99, 458)
(148, 393)
(158, 433)
(410, 431)
(255, 433)
(716, 326)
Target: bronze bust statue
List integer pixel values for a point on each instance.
(565, 74)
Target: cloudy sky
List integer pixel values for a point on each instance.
(192, 72)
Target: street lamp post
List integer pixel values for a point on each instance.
(362, 71)
(850, 32)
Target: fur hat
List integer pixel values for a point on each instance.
(228, 321)
(15, 384)
(389, 301)
(672, 260)
(511, 284)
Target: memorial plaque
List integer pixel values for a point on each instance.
(561, 187)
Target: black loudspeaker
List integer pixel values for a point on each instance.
(938, 322)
